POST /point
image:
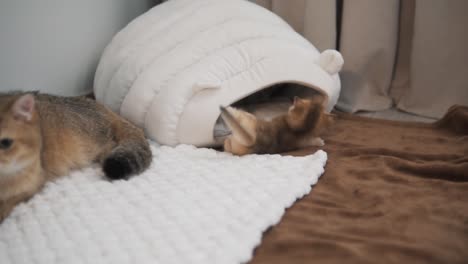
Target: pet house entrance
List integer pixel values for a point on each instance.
(268, 103)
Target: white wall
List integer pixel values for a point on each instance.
(54, 45)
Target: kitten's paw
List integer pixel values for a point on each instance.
(318, 142)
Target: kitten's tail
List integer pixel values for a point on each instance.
(132, 154)
(244, 132)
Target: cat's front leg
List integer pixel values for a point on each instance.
(234, 147)
(6, 207)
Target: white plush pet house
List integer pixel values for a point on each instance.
(170, 69)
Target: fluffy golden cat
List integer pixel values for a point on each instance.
(299, 127)
(43, 137)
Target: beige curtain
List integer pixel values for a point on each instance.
(315, 20)
(412, 54)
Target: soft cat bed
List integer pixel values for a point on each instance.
(170, 69)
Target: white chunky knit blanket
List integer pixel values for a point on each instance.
(191, 206)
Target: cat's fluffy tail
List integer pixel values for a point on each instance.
(241, 123)
(132, 155)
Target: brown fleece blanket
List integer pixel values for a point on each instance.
(392, 192)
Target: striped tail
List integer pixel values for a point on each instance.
(131, 156)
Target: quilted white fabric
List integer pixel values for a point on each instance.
(191, 206)
(170, 69)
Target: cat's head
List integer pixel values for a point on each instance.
(307, 114)
(300, 112)
(19, 133)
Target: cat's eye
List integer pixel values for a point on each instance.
(6, 143)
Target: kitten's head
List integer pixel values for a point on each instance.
(19, 133)
(307, 114)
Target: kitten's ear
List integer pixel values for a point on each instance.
(23, 108)
(296, 100)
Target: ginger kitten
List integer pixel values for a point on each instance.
(299, 127)
(43, 137)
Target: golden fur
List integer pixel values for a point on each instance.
(299, 127)
(43, 137)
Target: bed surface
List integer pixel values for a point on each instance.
(397, 115)
(392, 192)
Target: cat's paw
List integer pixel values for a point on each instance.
(317, 142)
(320, 142)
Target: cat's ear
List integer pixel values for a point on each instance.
(296, 100)
(23, 108)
